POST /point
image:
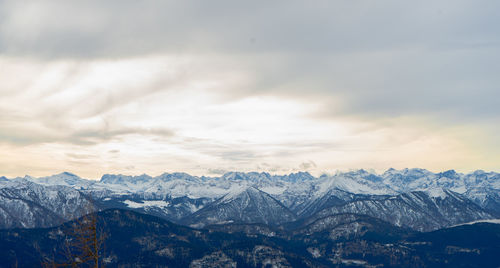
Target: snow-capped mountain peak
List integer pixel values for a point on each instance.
(64, 178)
(238, 192)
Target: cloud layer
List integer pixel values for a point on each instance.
(130, 86)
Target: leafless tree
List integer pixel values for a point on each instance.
(83, 242)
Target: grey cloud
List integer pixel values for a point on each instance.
(78, 156)
(48, 120)
(307, 165)
(101, 135)
(103, 99)
(236, 155)
(130, 167)
(245, 154)
(117, 28)
(384, 59)
(223, 151)
(266, 167)
(80, 136)
(21, 138)
(216, 171)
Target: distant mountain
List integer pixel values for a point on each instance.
(408, 180)
(358, 182)
(65, 179)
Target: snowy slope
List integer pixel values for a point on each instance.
(415, 210)
(27, 204)
(248, 205)
(65, 179)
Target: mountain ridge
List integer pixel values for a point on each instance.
(435, 200)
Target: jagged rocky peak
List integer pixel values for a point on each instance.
(417, 210)
(479, 172)
(242, 192)
(452, 174)
(357, 172)
(64, 178)
(250, 176)
(244, 205)
(123, 179)
(359, 182)
(406, 173)
(26, 177)
(177, 176)
(28, 204)
(69, 174)
(234, 176)
(298, 176)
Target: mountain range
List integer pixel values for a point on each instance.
(410, 198)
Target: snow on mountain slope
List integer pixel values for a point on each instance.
(147, 203)
(416, 210)
(408, 180)
(172, 185)
(495, 221)
(358, 182)
(481, 187)
(480, 178)
(65, 179)
(487, 198)
(172, 209)
(346, 226)
(334, 197)
(182, 184)
(248, 205)
(27, 204)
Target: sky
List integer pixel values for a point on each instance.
(206, 87)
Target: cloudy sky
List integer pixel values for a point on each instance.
(204, 87)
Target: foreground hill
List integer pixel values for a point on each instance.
(138, 240)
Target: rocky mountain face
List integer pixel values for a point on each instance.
(416, 210)
(410, 198)
(248, 205)
(28, 205)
